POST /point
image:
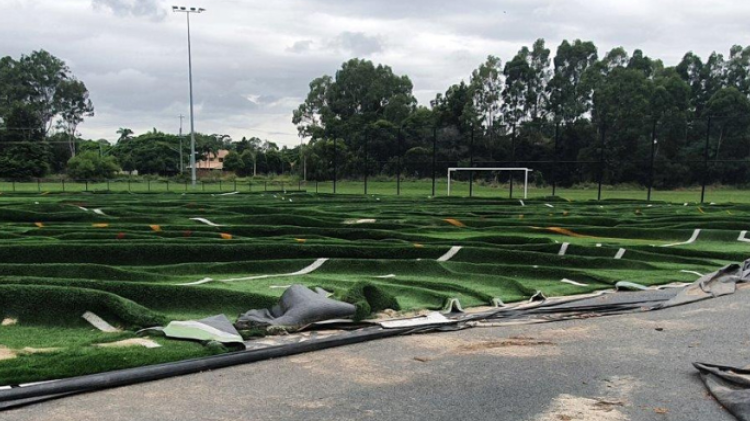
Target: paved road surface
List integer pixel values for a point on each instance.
(633, 367)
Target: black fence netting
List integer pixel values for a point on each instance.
(579, 156)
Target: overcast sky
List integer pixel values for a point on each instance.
(253, 60)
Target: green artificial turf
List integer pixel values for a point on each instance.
(59, 258)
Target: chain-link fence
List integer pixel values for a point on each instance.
(574, 159)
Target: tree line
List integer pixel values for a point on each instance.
(576, 116)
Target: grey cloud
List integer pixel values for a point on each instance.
(138, 8)
(300, 46)
(358, 43)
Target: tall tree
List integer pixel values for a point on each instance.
(569, 99)
(360, 94)
(487, 86)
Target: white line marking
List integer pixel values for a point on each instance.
(692, 272)
(82, 208)
(522, 204)
(619, 254)
(598, 244)
(690, 241)
(449, 255)
(743, 237)
(99, 323)
(309, 269)
(563, 249)
(99, 212)
(227, 194)
(360, 221)
(205, 221)
(548, 205)
(568, 281)
(279, 286)
(386, 276)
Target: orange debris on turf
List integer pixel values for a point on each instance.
(455, 222)
(39, 224)
(419, 246)
(100, 225)
(226, 236)
(155, 227)
(120, 235)
(300, 240)
(567, 232)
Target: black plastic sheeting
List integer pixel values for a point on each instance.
(716, 284)
(730, 386)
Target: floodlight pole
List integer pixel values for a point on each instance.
(188, 11)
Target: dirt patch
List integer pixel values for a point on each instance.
(316, 404)
(6, 353)
(568, 407)
(30, 350)
(514, 346)
(573, 333)
(9, 322)
(144, 342)
(349, 367)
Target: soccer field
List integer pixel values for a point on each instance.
(137, 260)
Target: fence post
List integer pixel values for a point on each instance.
(335, 163)
(367, 158)
(554, 157)
(512, 157)
(471, 163)
(63, 184)
(653, 155)
(128, 183)
(398, 162)
(434, 157)
(167, 185)
(601, 160)
(316, 186)
(219, 185)
(87, 185)
(203, 186)
(705, 160)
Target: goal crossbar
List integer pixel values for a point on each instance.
(526, 172)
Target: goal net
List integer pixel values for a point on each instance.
(525, 171)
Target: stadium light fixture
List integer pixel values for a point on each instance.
(183, 9)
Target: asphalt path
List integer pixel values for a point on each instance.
(632, 367)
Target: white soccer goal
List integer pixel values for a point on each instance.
(526, 172)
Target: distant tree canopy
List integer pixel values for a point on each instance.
(602, 108)
(38, 92)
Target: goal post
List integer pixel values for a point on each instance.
(525, 171)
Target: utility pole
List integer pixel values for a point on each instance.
(187, 12)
